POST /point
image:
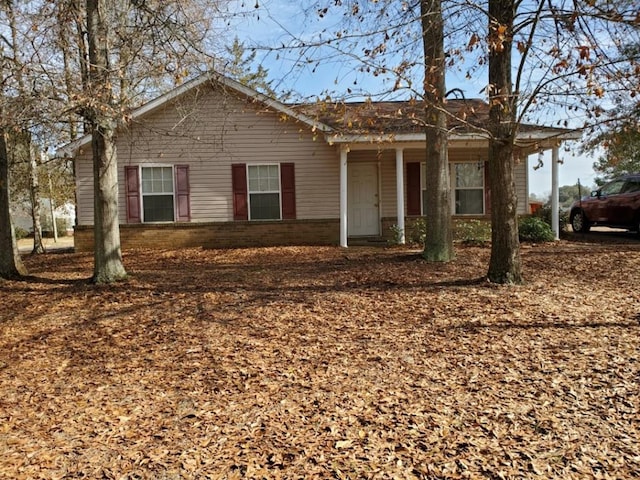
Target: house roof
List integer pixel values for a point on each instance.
(404, 120)
(358, 122)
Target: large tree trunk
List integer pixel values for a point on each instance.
(108, 266)
(11, 265)
(504, 265)
(438, 245)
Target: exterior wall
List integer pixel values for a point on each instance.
(387, 170)
(522, 191)
(209, 130)
(219, 234)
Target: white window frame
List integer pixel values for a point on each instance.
(142, 194)
(454, 188)
(249, 191)
(452, 179)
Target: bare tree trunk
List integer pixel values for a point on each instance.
(439, 238)
(108, 266)
(505, 263)
(11, 265)
(52, 208)
(34, 193)
(72, 15)
(24, 138)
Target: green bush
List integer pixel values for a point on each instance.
(474, 232)
(418, 232)
(61, 226)
(478, 232)
(544, 213)
(534, 229)
(396, 235)
(21, 233)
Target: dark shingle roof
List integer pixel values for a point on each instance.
(392, 117)
(402, 117)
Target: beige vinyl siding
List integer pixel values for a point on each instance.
(388, 200)
(520, 174)
(84, 187)
(209, 132)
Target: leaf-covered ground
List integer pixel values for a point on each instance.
(323, 363)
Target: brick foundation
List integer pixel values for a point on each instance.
(219, 234)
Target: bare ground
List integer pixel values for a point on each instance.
(323, 363)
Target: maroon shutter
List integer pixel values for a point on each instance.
(132, 193)
(183, 203)
(413, 188)
(288, 191)
(239, 184)
(487, 190)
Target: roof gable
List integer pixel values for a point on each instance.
(148, 108)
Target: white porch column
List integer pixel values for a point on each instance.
(343, 195)
(555, 203)
(400, 193)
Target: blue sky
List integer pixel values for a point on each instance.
(272, 25)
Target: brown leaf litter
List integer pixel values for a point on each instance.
(323, 363)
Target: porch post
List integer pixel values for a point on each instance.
(400, 193)
(343, 195)
(555, 204)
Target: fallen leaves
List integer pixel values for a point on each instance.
(306, 362)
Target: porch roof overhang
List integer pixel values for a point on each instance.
(398, 124)
(534, 140)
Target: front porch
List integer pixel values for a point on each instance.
(383, 181)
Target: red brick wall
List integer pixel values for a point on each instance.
(219, 235)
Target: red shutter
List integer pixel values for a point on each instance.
(132, 193)
(183, 203)
(288, 191)
(239, 184)
(487, 190)
(413, 188)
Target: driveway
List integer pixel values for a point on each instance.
(604, 235)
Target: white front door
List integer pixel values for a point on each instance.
(362, 192)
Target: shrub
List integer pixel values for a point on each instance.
(474, 232)
(21, 233)
(534, 229)
(544, 213)
(418, 232)
(396, 235)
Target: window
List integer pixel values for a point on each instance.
(157, 194)
(613, 188)
(469, 188)
(632, 186)
(467, 180)
(264, 192)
